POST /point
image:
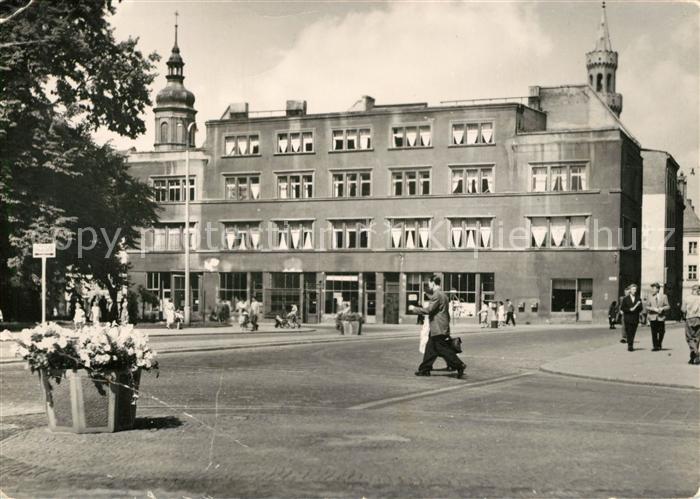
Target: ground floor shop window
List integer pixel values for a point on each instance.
(461, 290)
(563, 295)
(233, 286)
(488, 287)
(341, 288)
(370, 282)
(284, 292)
(416, 288)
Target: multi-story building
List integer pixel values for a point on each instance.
(691, 239)
(662, 229)
(536, 199)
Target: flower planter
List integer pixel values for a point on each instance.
(356, 327)
(83, 404)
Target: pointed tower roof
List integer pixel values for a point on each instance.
(175, 93)
(603, 40)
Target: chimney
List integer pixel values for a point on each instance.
(296, 108)
(533, 99)
(238, 110)
(683, 185)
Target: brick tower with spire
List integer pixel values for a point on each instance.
(174, 109)
(601, 64)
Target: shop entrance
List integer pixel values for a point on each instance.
(391, 298)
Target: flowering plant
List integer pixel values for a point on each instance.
(101, 350)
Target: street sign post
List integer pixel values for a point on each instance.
(43, 251)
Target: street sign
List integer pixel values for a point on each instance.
(44, 250)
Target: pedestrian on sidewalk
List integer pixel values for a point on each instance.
(631, 308)
(254, 313)
(691, 309)
(620, 316)
(510, 312)
(612, 314)
(79, 317)
(438, 314)
(657, 307)
(169, 313)
(501, 314)
(484, 315)
(95, 311)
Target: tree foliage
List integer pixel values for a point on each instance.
(62, 76)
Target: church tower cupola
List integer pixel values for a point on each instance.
(601, 63)
(174, 109)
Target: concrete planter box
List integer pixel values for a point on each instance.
(82, 404)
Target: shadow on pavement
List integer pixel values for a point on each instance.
(157, 423)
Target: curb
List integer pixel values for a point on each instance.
(617, 380)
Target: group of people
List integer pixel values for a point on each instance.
(99, 312)
(654, 309)
(497, 313)
(246, 313)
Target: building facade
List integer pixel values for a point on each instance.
(537, 200)
(691, 256)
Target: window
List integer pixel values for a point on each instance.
(350, 234)
(692, 247)
(164, 132)
(295, 142)
(472, 180)
(410, 183)
(242, 145)
(410, 233)
(467, 134)
(558, 232)
(470, 233)
(295, 186)
(403, 137)
(341, 288)
(169, 237)
(242, 236)
(296, 235)
(352, 139)
(692, 272)
(558, 178)
(172, 189)
(563, 295)
(233, 286)
(416, 287)
(352, 184)
(284, 291)
(243, 187)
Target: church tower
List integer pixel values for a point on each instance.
(601, 63)
(174, 107)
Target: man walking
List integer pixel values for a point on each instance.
(631, 307)
(657, 307)
(691, 309)
(510, 312)
(254, 313)
(438, 314)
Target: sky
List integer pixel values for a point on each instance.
(330, 53)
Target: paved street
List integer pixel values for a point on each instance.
(348, 418)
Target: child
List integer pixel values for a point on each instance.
(95, 313)
(79, 317)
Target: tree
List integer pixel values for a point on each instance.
(62, 76)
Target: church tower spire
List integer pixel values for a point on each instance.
(174, 109)
(601, 64)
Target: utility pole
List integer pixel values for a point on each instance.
(187, 224)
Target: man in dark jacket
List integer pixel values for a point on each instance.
(631, 307)
(438, 314)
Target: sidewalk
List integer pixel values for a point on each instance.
(668, 367)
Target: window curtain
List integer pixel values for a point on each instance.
(283, 189)
(558, 179)
(337, 140)
(471, 233)
(410, 239)
(425, 136)
(558, 230)
(255, 190)
(296, 237)
(396, 237)
(539, 179)
(296, 142)
(578, 179)
(255, 238)
(282, 143)
(578, 231)
(230, 238)
(485, 233)
(308, 243)
(411, 136)
(424, 233)
(282, 235)
(254, 145)
(472, 133)
(230, 147)
(242, 146)
(487, 133)
(308, 140)
(458, 134)
(457, 187)
(364, 139)
(486, 181)
(538, 227)
(472, 179)
(398, 137)
(243, 235)
(457, 237)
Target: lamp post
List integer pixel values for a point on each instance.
(187, 223)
